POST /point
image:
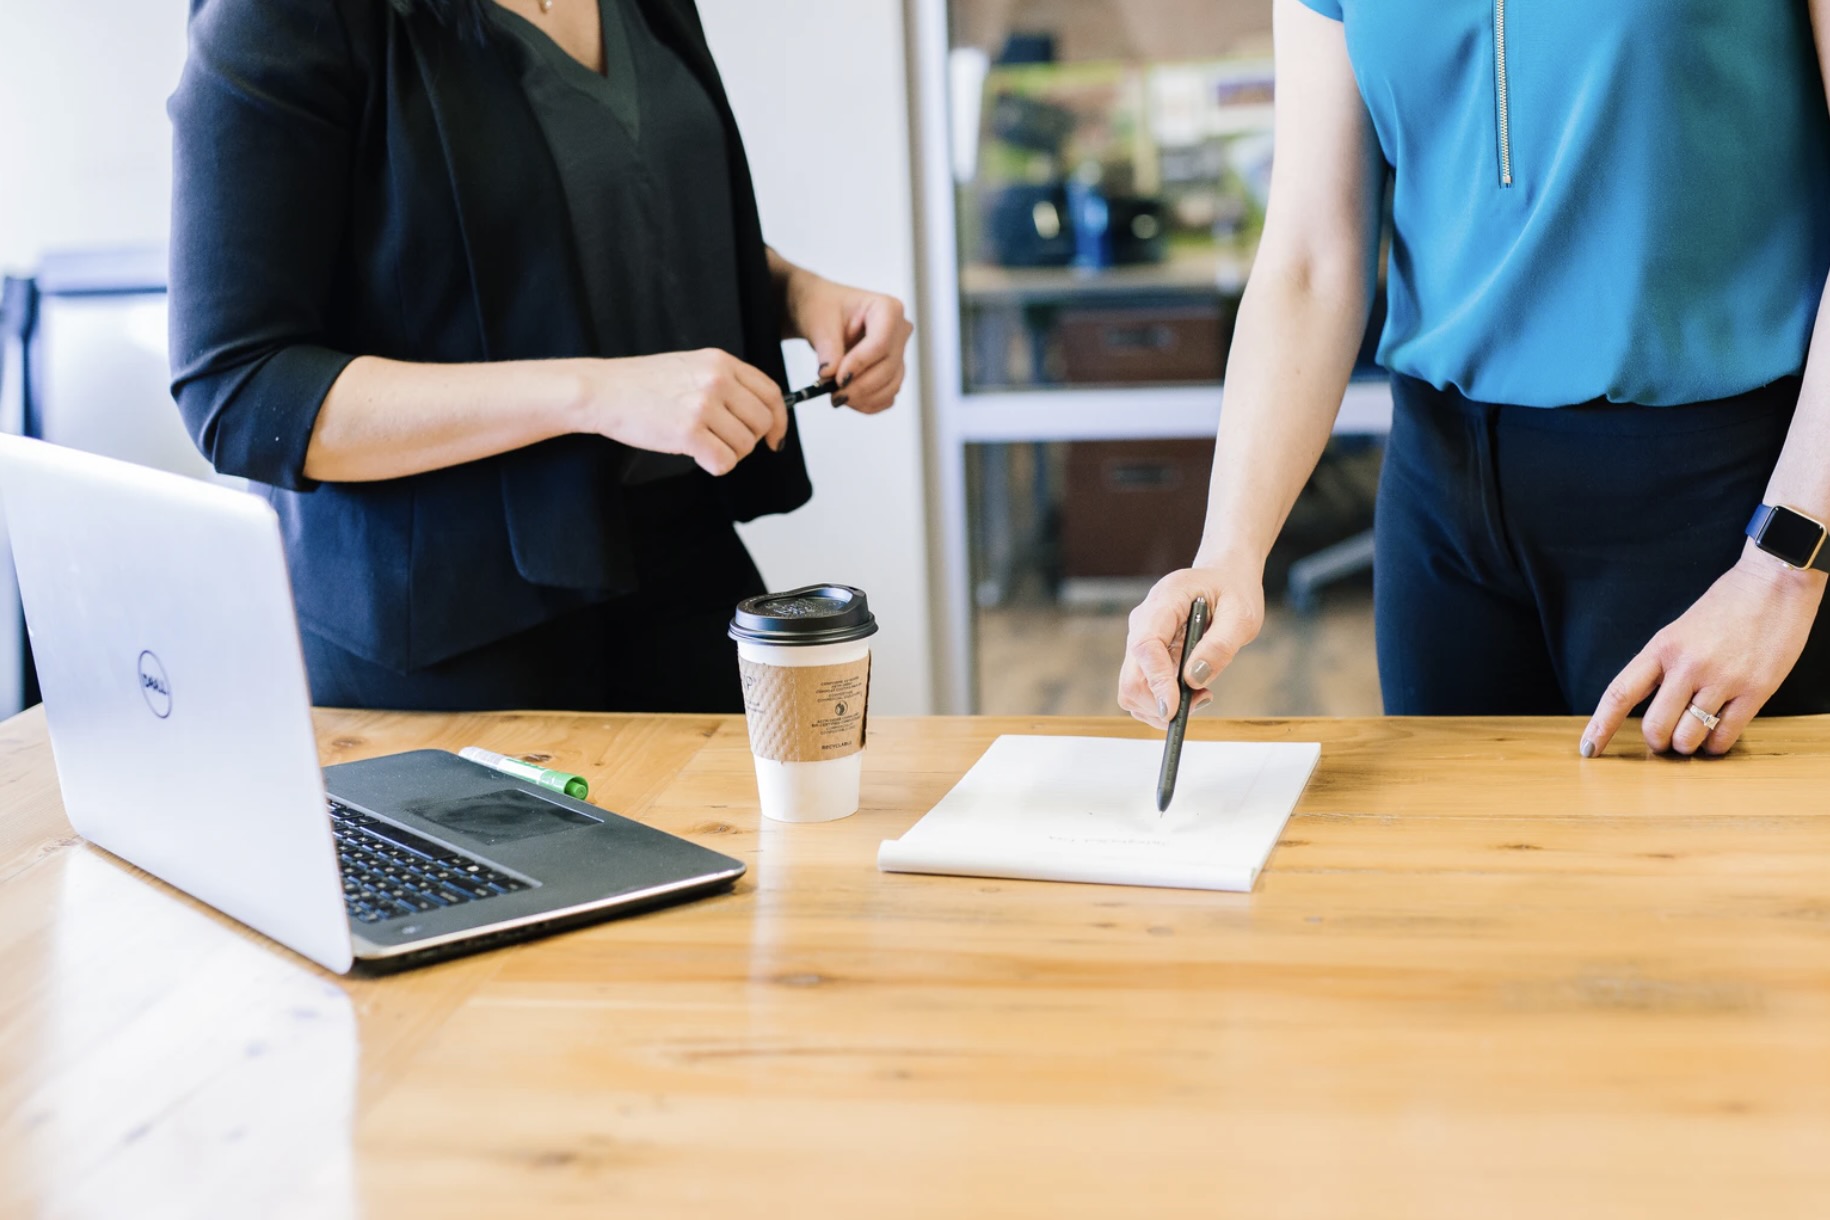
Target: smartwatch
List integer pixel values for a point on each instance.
(1790, 537)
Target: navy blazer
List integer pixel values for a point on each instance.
(351, 180)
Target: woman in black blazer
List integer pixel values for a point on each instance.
(476, 290)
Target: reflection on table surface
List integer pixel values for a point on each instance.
(180, 1066)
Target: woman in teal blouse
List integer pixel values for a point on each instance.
(1611, 239)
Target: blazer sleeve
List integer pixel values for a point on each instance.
(263, 129)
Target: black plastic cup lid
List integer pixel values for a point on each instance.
(817, 614)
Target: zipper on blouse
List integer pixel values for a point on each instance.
(1500, 91)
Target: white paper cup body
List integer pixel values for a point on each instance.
(822, 791)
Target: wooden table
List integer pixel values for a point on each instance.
(1480, 977)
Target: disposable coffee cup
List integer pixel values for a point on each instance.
(806, 665)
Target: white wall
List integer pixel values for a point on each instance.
(821, 92)
(85, 148)
(85, 160)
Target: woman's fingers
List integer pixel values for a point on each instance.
(1667, 706)
(820, 316)
(1134, 694)
(1162, 697)
(1707, 656)
(1733, 715)
(1691, 732)
(760, 388)
(1233, 626)
(1734, 718)
(860, 339)
(1148, 685)
(754, 416)
(874, 334)
(1153, 692)
(713, 453)
(1629, 686)
(875, 391)
(875, 388)
(723, 424)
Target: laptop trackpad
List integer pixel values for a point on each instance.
(507, 815)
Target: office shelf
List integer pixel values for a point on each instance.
(1041, 410)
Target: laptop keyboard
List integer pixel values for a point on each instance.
(389, 872)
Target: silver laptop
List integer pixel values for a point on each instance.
(161, 620)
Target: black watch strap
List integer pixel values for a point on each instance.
(1790, 536)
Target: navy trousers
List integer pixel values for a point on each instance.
(1523, 556)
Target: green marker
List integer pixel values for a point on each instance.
(573, 786)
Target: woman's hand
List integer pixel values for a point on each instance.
(859, 337)
(1147, 682)
(708, 405)
(1727, 654)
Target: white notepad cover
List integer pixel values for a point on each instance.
(1084, 809)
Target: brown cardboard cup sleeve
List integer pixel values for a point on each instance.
(806, 713)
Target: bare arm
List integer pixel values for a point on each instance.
(385, 419)
(1305, 308)
(1730, 651)
(1802, 475)
(1300, 325)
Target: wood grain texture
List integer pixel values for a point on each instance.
(1480, 977)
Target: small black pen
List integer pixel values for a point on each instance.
(1178, 727)
(812, 391)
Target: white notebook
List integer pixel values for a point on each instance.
(1084, 809)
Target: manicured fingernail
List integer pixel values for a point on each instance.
(848, 380)
(1162, 708)
(1588, 748)
(1199, 673)
(825, 371)
(840, 400)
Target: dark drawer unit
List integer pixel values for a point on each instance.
(1133, 508)
(1179, 343)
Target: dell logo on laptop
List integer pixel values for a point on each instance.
(154, 686)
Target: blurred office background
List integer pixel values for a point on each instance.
(1068, 192)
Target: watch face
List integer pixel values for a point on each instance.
(1791, 536)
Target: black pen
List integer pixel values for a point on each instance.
(812, 391)
(1178, 727)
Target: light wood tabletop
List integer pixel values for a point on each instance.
(1479, 977)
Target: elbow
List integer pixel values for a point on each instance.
(1333, 279)
(223, 445)
(216, 409)
(1320, 257)
(254, 419)
(200, 407)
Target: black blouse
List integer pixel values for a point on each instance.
(640, 152)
